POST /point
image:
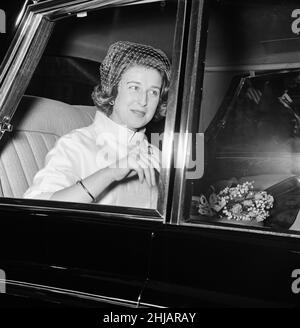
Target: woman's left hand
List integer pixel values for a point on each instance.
(138, 162)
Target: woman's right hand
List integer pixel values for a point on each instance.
(137, 162)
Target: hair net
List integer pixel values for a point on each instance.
(124, 54)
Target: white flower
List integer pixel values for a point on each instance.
(241, 202)
(236, 209)
(247, 203)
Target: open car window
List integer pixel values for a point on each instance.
(57, 100)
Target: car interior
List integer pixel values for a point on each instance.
(256, 141)
(38, 123)
(58, 97)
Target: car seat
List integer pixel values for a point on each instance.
(37, 124)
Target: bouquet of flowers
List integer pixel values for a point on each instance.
(240, 202)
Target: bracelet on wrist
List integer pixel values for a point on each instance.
(79, 182)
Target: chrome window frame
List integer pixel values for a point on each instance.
(20, 62)
(192, 94)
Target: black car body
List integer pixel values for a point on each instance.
(87, 255)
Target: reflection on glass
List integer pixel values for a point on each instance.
(253, 155)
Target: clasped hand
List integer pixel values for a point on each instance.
(137, 162)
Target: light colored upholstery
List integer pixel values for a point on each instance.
(37, 124)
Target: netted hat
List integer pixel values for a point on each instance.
(124, 54)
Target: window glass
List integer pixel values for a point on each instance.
(69, 68)
(58, 101)
(251, 126)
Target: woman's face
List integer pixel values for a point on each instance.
(138, 96)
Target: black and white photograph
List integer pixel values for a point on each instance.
(149, 157)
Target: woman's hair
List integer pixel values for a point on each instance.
(121, 56)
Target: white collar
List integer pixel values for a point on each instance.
(114, 139)
(104, 126)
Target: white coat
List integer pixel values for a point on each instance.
(83, 151)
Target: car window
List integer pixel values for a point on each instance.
(69, 68)
(58, 98)
(252, 165)
(249, 122)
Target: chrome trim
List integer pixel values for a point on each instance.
(21, 13)
(66, 8)
(20, 69)
(248, 229)
(153, 215)
(77, 294)
(253, 67)
(20, 33)
(15, 49)
(172, 108)
(5, 125)
(191, 76)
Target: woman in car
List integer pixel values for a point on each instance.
(111, 161)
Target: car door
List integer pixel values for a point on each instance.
(61, 253)
(206, 256)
